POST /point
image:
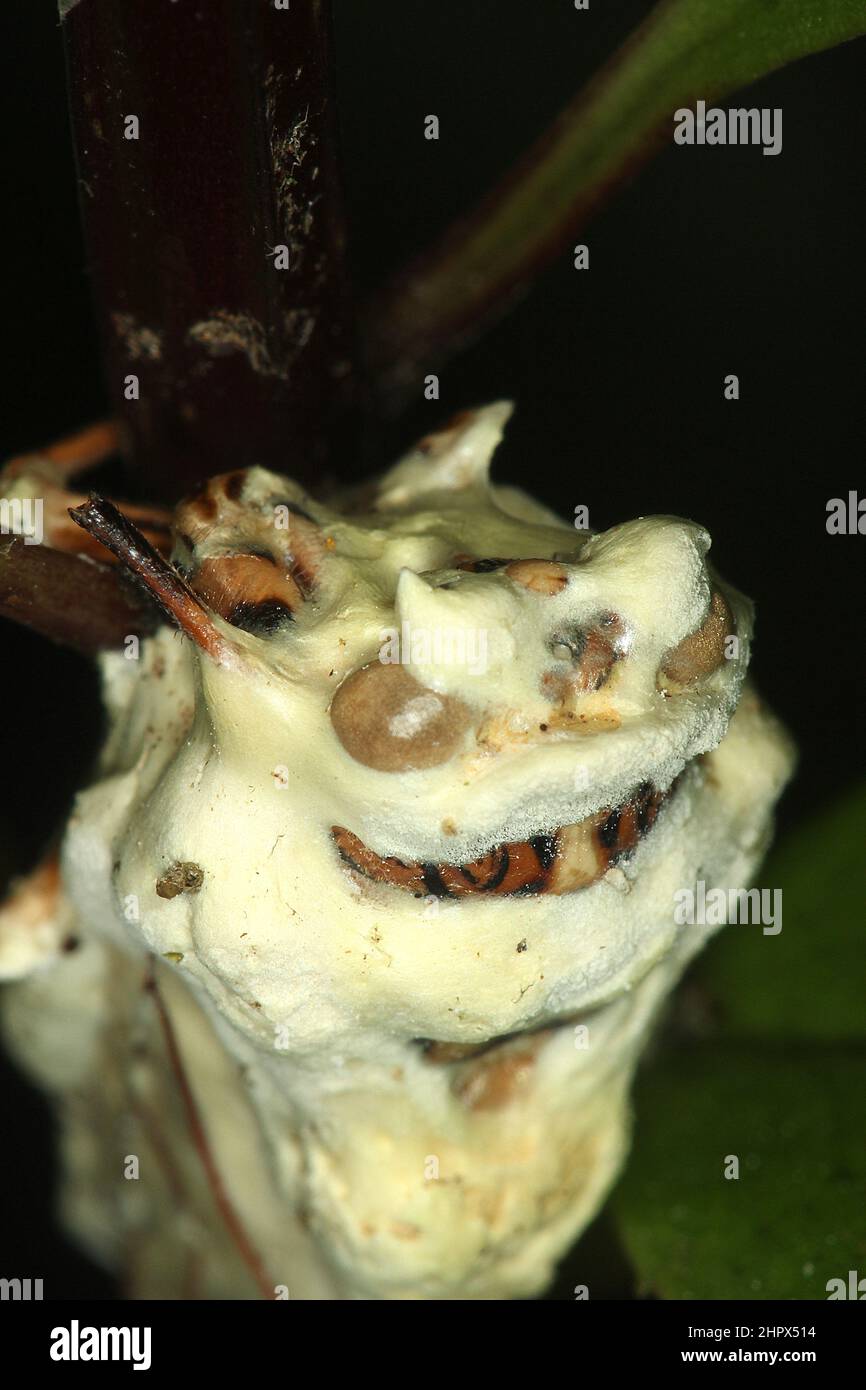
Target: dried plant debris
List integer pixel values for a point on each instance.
(180, 878)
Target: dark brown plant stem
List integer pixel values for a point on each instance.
(232, 155)
(101, 519)
(71, 599)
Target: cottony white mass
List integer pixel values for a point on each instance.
(391, 1099)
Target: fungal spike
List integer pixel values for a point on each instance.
(451, 460)
(416, 599)
(107, 524)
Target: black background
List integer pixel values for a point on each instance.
(713, 260)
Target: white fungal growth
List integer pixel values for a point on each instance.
(401, 927)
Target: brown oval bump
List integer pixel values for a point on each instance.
(541, 576)
(702, 652)
(387, 720)
(249, 591)
(182, 877)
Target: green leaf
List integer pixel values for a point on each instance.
(808, 980)
(685, 50)
(778, 1088)
(793, 1219)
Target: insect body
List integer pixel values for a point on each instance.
(448, 697)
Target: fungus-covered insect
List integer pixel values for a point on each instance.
(412, 801)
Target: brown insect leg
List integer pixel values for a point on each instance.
(107, 524)
(44, 473)
(73, 454)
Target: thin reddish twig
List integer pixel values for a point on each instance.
(231, 1220)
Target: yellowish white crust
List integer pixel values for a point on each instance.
(313, 1005)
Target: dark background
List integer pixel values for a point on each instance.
(713, 260)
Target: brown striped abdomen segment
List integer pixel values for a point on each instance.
(254, 564)
(250, 591)
(572, 857)
(523, 866)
